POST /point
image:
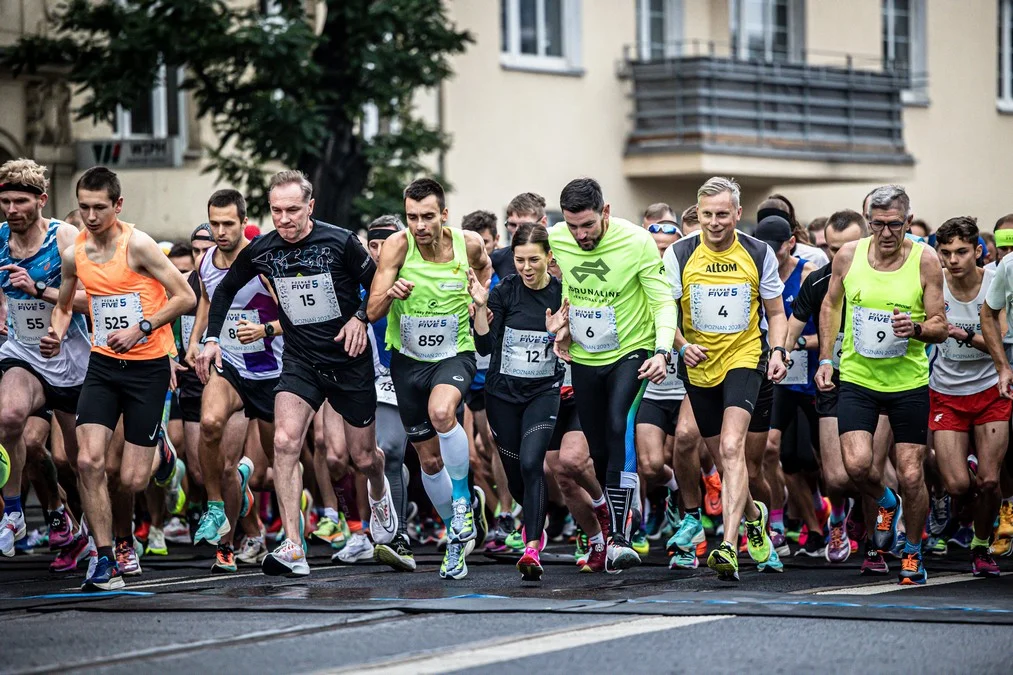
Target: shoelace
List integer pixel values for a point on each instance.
(755, 534)
(453, 555)
(460, 515)
(885, 520)
(836, 536)
(909, 563)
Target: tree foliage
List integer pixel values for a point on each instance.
(276, 93)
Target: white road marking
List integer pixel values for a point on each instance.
(488, 653)
(892, 585)
(173, 581)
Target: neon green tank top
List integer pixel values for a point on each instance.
(433, 323)
(872, 357)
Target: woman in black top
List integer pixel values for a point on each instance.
(524, 377)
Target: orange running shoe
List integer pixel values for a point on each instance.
(712, 494)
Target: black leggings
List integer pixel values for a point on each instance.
(795, 417)
(608, 398)
(523, 432)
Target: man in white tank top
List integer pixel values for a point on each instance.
(252, 348)
(963, 397)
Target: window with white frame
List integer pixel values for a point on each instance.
(659, 28)
(904, 46)
(161, 113)
(768, 30)
(540, 34)
(1004, 90)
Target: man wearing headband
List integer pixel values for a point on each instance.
(894, 292)
(33, 385)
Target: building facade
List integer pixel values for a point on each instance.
(818, 99)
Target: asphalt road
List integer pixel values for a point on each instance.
(178, 618)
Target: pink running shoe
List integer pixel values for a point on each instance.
(69, 556)
(530, 566)
(61, 532)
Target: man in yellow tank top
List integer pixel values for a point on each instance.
(894, 292)
(135, 294)
(422, 282)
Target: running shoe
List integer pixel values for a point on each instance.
(463, 523)
(382, 516)
(1001, 547)
(638, 536)
(427, 532)
(105, 577)
(142, 530)
(245, 470)
(972, 466)
(756, 535)
(225, 560)
(940, 512)
(898, 548)
(69, 556)
(529, 565)
(36, 539)
(912, 571)
(793, 532)
(683, 561)
(61, 531)
(253, 550)
(327, 530)
(725, 561)
(213, 524)
(454, 565)
(397, 554)
(359, 548)
(672, 518)
(873, 564)
(701, 548)
(937, 546)
(712, 494)
(604, 520)
(814, 546)
(176, 531)
(655, 521)
(687, 537)
(597, 558)
(779, 542)
(175, 497)
(982, 563)
(1004, 529)
(620, 555)
(126, 559)
(884, 535)
(92, 557)
(962, 537)
(582, 548)
(156, 542)
(713, 527)
(499, 533)
(287, 560)
(515, 541)
(12, 530)
(478, 506)
(838, 548)
(772, 564)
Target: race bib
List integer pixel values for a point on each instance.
(594, 329)
(958, 352)
(798, 373)
(429, 338)
(30, 319)
(719, 308)
(482, 362)
(186, 330)
(230, 332)
(308, 299)
(672, 381)
(567, 375)
(838, 350)
(385, 390)
(114, 312)
(527, 353)
(874, 338)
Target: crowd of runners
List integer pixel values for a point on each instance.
(832, 390)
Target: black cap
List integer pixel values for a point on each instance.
(774, 231)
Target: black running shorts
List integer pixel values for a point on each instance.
(134, 389)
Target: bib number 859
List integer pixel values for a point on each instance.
(430, 340)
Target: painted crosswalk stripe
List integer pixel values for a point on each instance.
(892, 585)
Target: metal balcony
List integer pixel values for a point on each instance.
(818, 122)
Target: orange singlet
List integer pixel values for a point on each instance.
(119, 298)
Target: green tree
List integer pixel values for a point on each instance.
(274, 91)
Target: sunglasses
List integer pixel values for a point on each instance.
(664, 227)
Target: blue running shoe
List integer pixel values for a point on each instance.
(962, 537)
(689, 534)
(884, 534)
(772, 564)
(940, 511)
(245, 470)
(106, 576)
(912, 571)
(213, 524)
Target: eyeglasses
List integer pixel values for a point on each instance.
(516, 225)
(664, 227)
(894, 225)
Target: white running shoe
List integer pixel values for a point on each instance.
(287, 560)
(383, 518)
(177, 531)
(358, 548)
(12, 529)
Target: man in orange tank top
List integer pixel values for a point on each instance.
(134, 294)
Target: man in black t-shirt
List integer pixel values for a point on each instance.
(317, 271)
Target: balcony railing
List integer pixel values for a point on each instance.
(703, 102)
